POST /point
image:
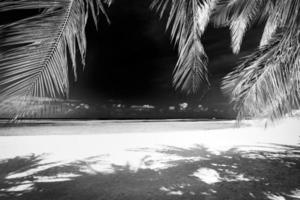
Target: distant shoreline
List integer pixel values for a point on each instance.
(78, 127)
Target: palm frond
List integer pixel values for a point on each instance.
(269, 30)
(238, 29)
(220, 17)
(267, 83)
(271, 24)
(239, 16)
(34, 61)
(188, 19)
(281, 15)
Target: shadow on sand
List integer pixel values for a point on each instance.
(234, 175)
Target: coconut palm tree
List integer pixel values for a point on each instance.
(266, 83)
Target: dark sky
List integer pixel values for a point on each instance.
(131, 58)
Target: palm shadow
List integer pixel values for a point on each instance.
(199, 174)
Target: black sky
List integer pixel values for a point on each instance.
(131, 58)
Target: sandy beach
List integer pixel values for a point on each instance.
(149, 160)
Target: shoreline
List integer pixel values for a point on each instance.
(90, 127)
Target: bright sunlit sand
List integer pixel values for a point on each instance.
(59, 153)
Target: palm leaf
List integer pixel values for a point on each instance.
(271, 24)
(280, 14)
(34, 62)
(267, 83)
(240, 15)
(188, 19)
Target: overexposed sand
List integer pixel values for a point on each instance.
(88, 139)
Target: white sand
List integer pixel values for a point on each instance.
(134, 147)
